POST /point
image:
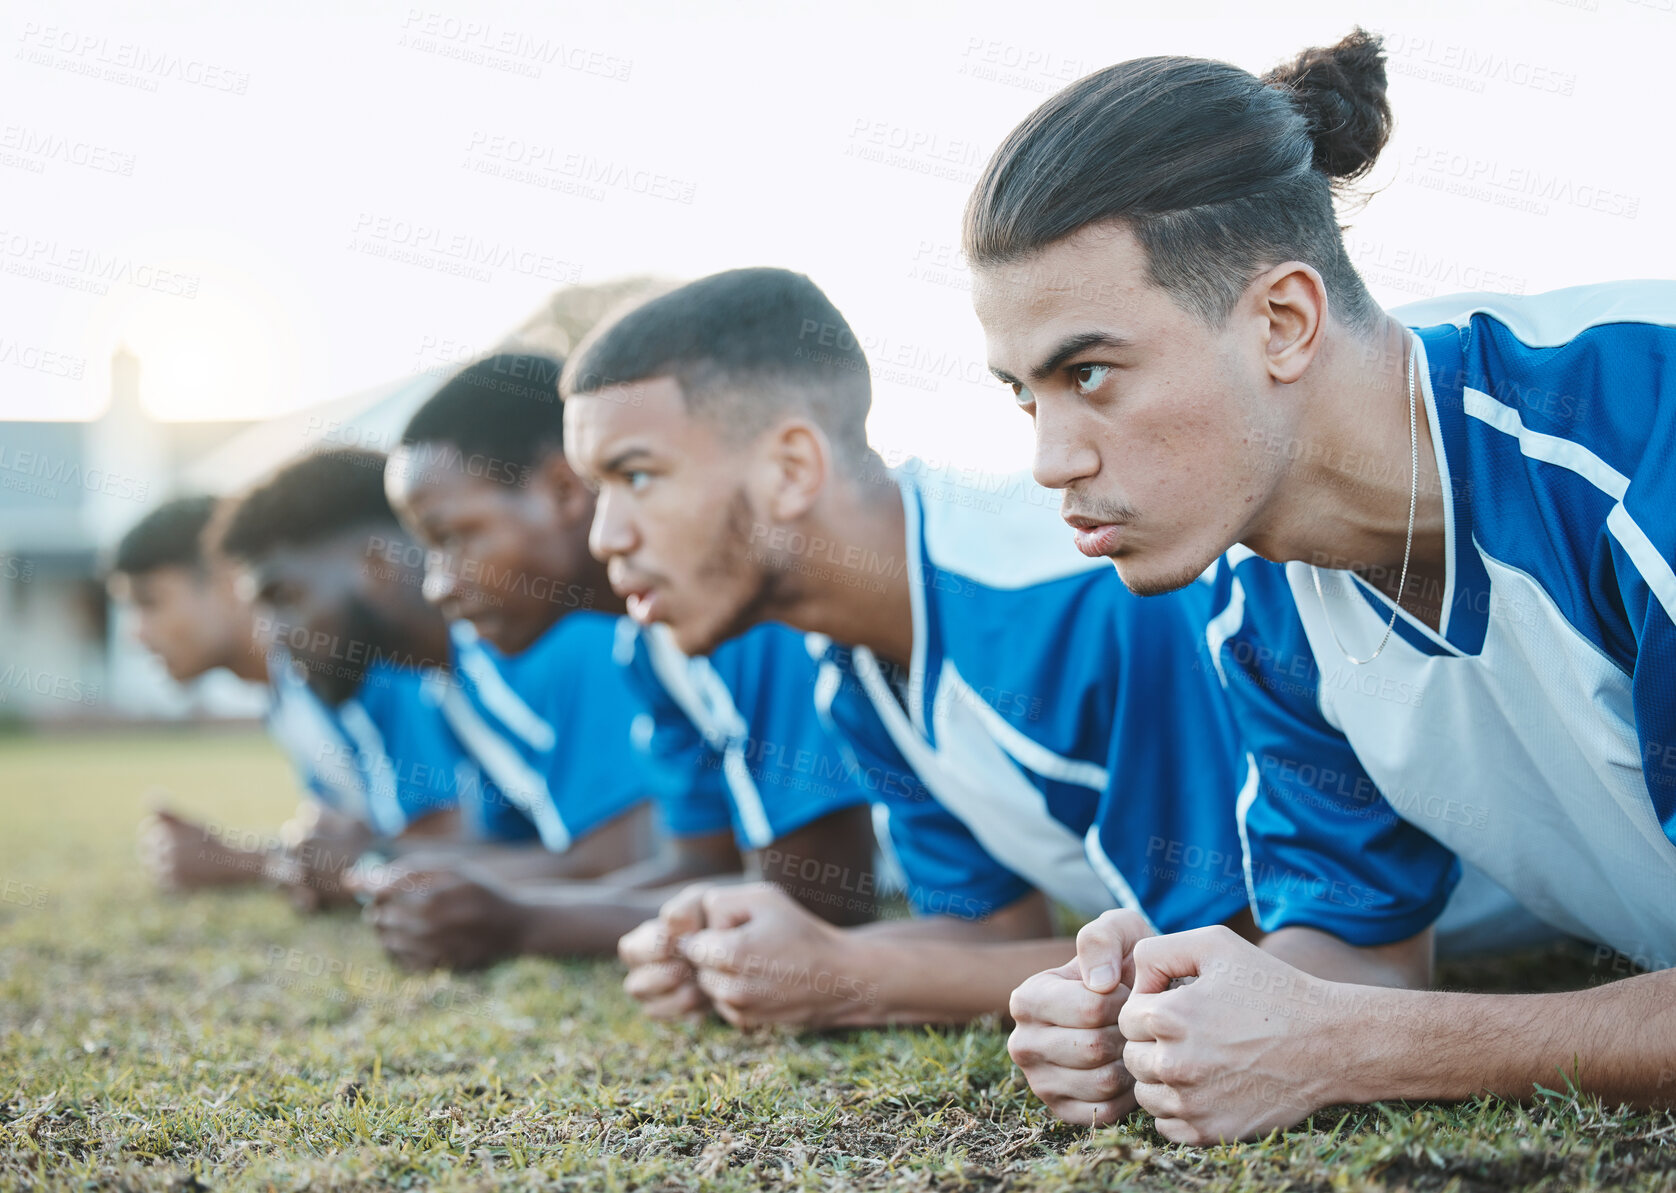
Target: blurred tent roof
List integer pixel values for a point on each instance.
(374, 418)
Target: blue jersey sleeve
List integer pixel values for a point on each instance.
(688, 786)
(1166, 837)
(1641, 580)
(411, 764)
(307, 730)
(552, 729)
(945, 869)
(1323, 847)
(751, 734)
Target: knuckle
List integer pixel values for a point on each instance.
(1088, 1011)
(1112, 1080)
(1104, 1047)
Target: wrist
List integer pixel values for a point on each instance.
(523, 926)
(858, 991)
(1366, 1045)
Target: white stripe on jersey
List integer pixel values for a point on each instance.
(515, 778)
(1549, 448)
(1113, 877)
(1027, 753)
(1554, 317)
(703, 695)
(383, 803)
(973, 777)
(496, 694)
(1654, 568)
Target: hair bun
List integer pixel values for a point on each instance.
(1341, 92)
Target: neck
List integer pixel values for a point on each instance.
(245, 658)
(1343, 503)
(843, 570)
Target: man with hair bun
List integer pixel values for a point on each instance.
(1442, 541)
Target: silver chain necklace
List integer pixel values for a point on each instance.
(1413, 503)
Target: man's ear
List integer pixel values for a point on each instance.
(798, 458)
(1292, 304)
(569, 495)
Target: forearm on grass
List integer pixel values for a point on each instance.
(683, 860)
(923, 979)
(229, 865)
(1026, 918)
(943, 969)
(1617, 1041)
(582, 919)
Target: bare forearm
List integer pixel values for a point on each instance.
(504, 863)
(1026, 918)
(579, 920)
(919, 978)
(225, 865)
(1617, 1041)
(672, 870)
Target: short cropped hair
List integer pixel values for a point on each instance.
(169, 536)
(310, 500)
(746, 347)
(503, 412)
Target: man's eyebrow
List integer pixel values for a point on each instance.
(1067, 348)
(621, 460)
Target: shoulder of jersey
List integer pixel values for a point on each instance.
(1000, 529)
(1553, 317)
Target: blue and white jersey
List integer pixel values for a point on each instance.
(738, 737)
(395, 736)
(1533, 734)
(554, 729)
(306, 728)
(1052, 732)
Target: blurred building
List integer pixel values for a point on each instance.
(69, 490)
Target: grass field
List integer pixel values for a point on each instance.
(221, 1042)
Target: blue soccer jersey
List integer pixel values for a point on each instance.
(305, 727)
(1052, 731)
(395, 736)
(738, 737)
(1533, 734)
(554, 728)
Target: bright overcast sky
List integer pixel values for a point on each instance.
(272, 199)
